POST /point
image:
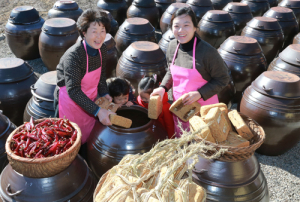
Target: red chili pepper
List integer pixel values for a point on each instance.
(31, 123)
(52, 148)
(44, 123)
(18, 135)
(61, 133)
(38, 154)
(67, 146)
(32, 136)
(74, 136)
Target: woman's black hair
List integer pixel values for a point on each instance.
(148, 84)
(117, 87)
(184, 11)
(89, 16)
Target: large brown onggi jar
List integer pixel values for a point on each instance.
(117, 8)
(58, 35)
(258, 7)
(162, 6)
(114, 25)
(268, 33)
(16, 77)
(144, 9)
(294, 5)
(200, 7)
(215, 27)
(65, 9)
(228, 92)
(134, 29)
(287, 21)
(111, 56)
(273, 101)
(76, 183)
(107, 145)
(220, 4)
(22, 32)
(165, 40)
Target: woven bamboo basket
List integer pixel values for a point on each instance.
(42, 167)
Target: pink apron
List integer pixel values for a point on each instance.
(72, 111)
(185, 81)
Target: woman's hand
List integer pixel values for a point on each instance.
(159, 91)
(107, 96)
(191, 97)
(103, 116)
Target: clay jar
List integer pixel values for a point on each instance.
(65, 9)
(268, 33)
(200, 7)
(16, 77)
(41, 103)
(22, 32)
(243, 56)
(141, 59)
(114, 26)
(220, 4)
(165, 19)
(134, 29)
(162, 5)
(287, 21)
(111, 56)
(215, 27)
(296, 39)
(58, 35)
(294, 5)
(117, 8)
(228, 92)
(107, 145)
(57, 188)
(240, 14)
(273, 101)
(165, 40)
(258, 7)
(231, 181)
(273, 3)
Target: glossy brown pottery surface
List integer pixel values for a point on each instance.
(111, 56)
(58, 35)
(273, 101)
(165, 40)
(114, 25)
(162, 6)
(273, 3)
(268, 33)
(240, 14)
(200, 7)
(231, 181)
(65, 9)
(107, 145)
(294, 5)
(134, 29)
(76, 183)
(244, 57)
(118, 9)
(16, 77)
(287, 21)
(228, 92)
(215, 27)
(22, 32)
(258, 7)
(165, 19)
(220, 4)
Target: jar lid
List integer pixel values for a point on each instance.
(264, 23)
(241, 45)
(144, 52)
(168, 35)
(281, 14)
(175, 6)
(200, 3)
(290, 3)
(236, 7)
(217, 16)
(291, 54)
(13, 70)
(109, 41)
(165, 1)
(137, 26)
(45, 86)
(65, 5)
(24, 15)
(143, 3)
(4, 123)
(278, 84)
(59, 26)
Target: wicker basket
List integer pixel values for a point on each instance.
(99, 185)
(42, 167)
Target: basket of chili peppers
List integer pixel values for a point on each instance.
(44, 147)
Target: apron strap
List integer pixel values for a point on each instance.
(87, 56)
(175, 54)
(194, 53)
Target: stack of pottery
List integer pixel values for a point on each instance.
(294, 5)
(220, 4)
(240, 14)
(144, 9)
(165, 40)
(117, 8)
(134, 29)
(22, 32)
(215, 27)
(58, 35)
(141, 59)
(162, 5)
(268, 33)
(165, 19)
(287, 21)
(200, 7)
(258, 7)
(107, 145)
(111, 56)
(114, 26)
(41, 103)
(244, 57)
(16, 77)
(65, 9)
(273, 101)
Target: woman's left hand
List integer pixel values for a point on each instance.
(107, 96)
(191, 97)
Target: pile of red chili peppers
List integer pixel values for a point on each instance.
(48, 138)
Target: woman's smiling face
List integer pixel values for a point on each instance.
(95, 35)
(183, 28)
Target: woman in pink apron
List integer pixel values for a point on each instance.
(196, 70)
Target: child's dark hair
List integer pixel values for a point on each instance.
(148, 84)
(117, 87)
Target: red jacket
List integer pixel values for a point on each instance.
(165, 118)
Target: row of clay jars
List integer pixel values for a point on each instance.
(257, 7)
